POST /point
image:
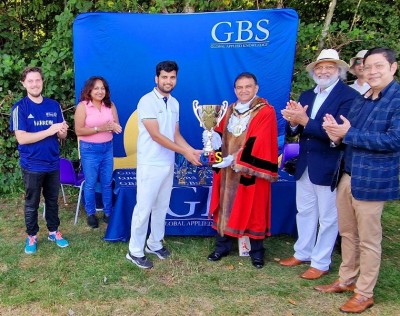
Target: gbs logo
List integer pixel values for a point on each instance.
(211, 158)
(242, 31)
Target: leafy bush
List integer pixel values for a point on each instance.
(39, 32)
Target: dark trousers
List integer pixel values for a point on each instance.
(34, 183)
(224, 245)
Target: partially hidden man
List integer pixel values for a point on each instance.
(241, 191)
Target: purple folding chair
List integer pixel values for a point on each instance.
(68, 176)
(290, 150)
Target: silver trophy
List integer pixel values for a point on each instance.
(209, 117)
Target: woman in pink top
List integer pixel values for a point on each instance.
(96, 120)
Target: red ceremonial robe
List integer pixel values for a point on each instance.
(241, 194)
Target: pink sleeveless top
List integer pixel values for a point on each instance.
(96, 118)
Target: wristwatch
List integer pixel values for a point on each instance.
(96, 129)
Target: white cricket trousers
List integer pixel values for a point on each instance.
(317, 222)
(154, 186)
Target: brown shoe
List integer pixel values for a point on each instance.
(335, 287)
(357, 304)
(291, 262)
(313, 274)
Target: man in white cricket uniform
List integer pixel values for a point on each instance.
(159, 138)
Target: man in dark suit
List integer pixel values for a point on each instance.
(371, 133)
(316, 219)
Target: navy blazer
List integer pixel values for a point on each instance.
(315, 150)
(374, 146)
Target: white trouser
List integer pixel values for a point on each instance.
(154, 186)
(315, 203)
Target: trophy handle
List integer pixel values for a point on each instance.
(196, 108)
(222, 111)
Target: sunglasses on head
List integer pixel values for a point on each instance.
(358, 62)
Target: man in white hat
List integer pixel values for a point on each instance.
(316, 202)
(357, 69)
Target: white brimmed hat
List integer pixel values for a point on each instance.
(328, 55)
(359, 55)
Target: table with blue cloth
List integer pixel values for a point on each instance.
(188, 211)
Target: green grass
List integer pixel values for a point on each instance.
(92, 277)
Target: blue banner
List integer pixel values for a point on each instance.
(211, 49)
(187, 214)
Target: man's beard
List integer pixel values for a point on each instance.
(326, 82)
(161, 88)
(35, 95)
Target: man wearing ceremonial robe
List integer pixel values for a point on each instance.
(241, 192)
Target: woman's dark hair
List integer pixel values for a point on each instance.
(88, 87)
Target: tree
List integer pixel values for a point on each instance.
(328, 20)
(39, 32)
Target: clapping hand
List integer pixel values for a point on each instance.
(295, 113)
(58, 128)
(335, 131)
(111, 127)
(117, 128)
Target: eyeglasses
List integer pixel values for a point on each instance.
(328, 68)
(378, 67)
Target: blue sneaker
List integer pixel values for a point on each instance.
(163, 253)
(30, 245)
(58, 239)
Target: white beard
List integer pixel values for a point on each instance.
(325, 82)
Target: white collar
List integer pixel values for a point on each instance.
(361, 85)
(243, 106)
(158, 94)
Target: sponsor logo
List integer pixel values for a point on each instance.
(211, 158)
(51, 114)
(188, 223)
(31, 116)
(240, 34)
(191, 206)
(43, 123)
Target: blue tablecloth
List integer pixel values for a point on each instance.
(188, 213)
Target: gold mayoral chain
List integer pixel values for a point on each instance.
(242, 121)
